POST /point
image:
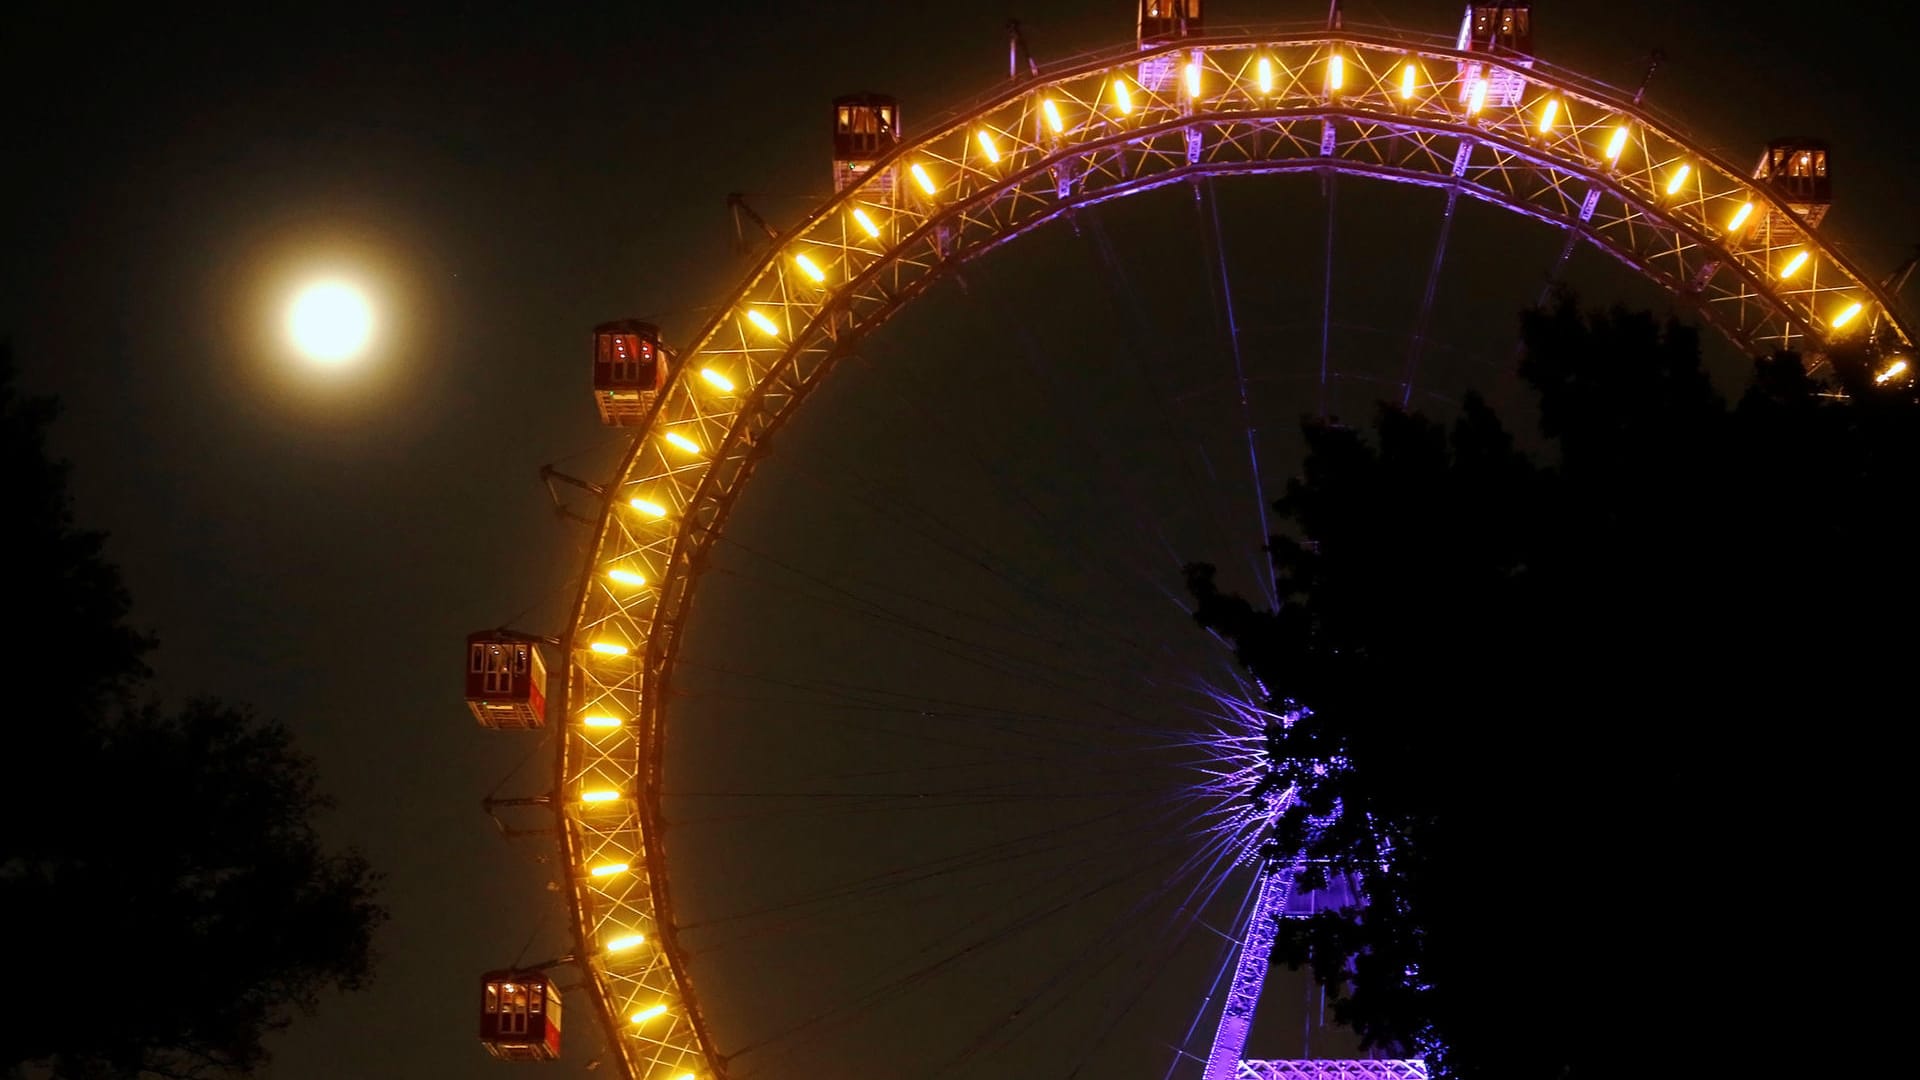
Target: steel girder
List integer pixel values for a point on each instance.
(1330, 1069)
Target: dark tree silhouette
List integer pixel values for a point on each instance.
(169, 900)
(70, 607)
(1613, 738)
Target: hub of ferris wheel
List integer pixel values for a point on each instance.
(1256, 774)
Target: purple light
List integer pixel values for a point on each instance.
(1246, 781)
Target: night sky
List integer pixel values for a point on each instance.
(318, 544)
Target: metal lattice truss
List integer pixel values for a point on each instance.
(1249, 975)
(1331, 1069)
(1542, 143)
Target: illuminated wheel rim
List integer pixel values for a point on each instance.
(1571, 154)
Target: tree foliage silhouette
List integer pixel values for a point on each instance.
(1609, 736)
(170, 899)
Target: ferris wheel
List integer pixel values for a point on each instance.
(1471, 116)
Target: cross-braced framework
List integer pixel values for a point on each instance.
(1562, 150)
(1361, 1069)
(1249, 973)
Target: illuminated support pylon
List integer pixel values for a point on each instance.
(1249, 975)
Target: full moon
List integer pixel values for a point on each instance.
(330, 322)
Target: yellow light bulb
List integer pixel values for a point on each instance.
(608, 648)
(1794, 264)
(1478, 99)
(766, 325)
(626, 577)
(1617, 144)
(1193, 78)
(920, 175)
(1548, 115)
(717, 381)
(1409, 77)
(1122, 98)
(647, 1013)
(1740, 217)
(648, 507)
(599, 796)
(599, 720)
(1336, 72)
(1846, 316)
(609, 869)
(1679, 179)
(860, 218)
(987, 147)
(680, 442)
(1265, 72)
(1052, 112)
(1894, 371)
(621, 944)
(808, 268)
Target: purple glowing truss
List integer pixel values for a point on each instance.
(1332, 1069)
(1242, 742)
(1243, 994)
(1249, 973)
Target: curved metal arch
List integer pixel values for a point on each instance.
(781, 332)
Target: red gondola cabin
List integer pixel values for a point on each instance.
(866, 127)
(1796, 169)
(520, 1015)
(628, 370)
(1503, 30)
(1498, 28)
(506, 680)
(1159, 22)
